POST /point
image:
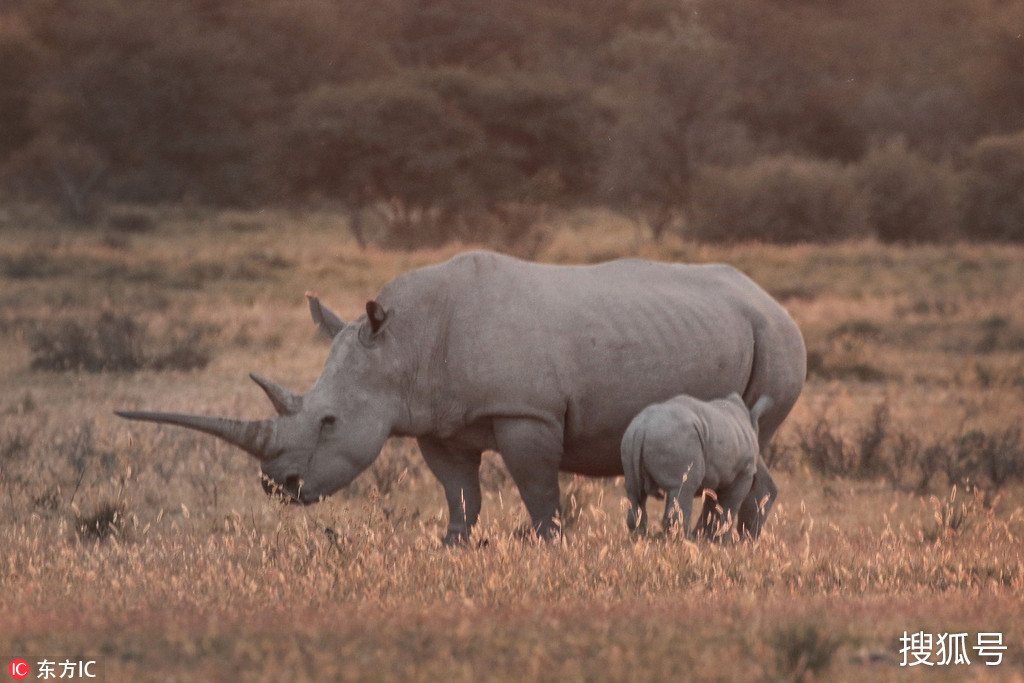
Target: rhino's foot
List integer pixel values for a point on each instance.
(528, 533)
(548, 530)
(637, 528)
(455, 539)
(636, 519)
(638, 532)
(758, 503)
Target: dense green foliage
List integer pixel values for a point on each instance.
(439, 110)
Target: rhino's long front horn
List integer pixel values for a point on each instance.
(256, 437)
(285, 402)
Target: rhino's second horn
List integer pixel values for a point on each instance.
(285, 402)
(253, 436)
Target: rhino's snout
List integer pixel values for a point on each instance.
(288, 489)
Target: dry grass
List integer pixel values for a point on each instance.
(155, 550)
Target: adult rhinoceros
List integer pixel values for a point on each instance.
(544, 364)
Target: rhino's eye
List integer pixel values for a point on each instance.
(327, 422)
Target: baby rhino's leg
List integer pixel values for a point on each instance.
(679, 495)
(674, 462)
(731, 498)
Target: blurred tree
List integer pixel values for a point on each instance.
(993, 203)
(908, 197)
(777, 199)
(432, 144)
(54, 169)
(998, 76)
(674, 85)
(536, 134)
(21, 59)
(166, 97)
(794, 79)
(294, 45)
(462, 33)
(530, 103)
(392, 141)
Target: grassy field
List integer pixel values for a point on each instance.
(154, 550)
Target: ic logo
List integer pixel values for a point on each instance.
(19, 669)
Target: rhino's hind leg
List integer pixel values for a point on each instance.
(459, 473)
(636, 518)
(758, 502)
(532, 451)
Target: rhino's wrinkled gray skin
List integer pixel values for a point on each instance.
(544, 364)
(684, 446)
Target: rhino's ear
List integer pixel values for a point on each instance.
(377, 319)
(377, 316)
(328, 322)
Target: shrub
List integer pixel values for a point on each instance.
(802, 649)
(131, 220)
(908, 198)
(993, 459)
(864, 456)
(112, 343)
(949, 517)
(34, 264)
(993, 204)
(777, 199)
(393, 143)
(878, 449)
(115, 343)
(105, 521)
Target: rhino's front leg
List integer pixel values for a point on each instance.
(532, 451)
(458, 470)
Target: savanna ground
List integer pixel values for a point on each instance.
(155, 550)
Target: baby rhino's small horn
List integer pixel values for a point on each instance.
(256, 437)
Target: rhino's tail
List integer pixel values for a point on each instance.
(632, 467)
(761, 405)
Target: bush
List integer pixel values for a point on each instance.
(993, 203)
(105, 521)
(802, 649)
(116, 343)
(908, 198)
(777, 199)
(827, 452)
(880, 449)
(390, 139)
(131, 220)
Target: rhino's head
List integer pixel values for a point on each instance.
(321, 440)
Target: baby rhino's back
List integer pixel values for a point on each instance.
(726, 434)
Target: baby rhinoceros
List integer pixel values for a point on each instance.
(684, 446)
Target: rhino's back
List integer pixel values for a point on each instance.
(586, 346)
(550, 298)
